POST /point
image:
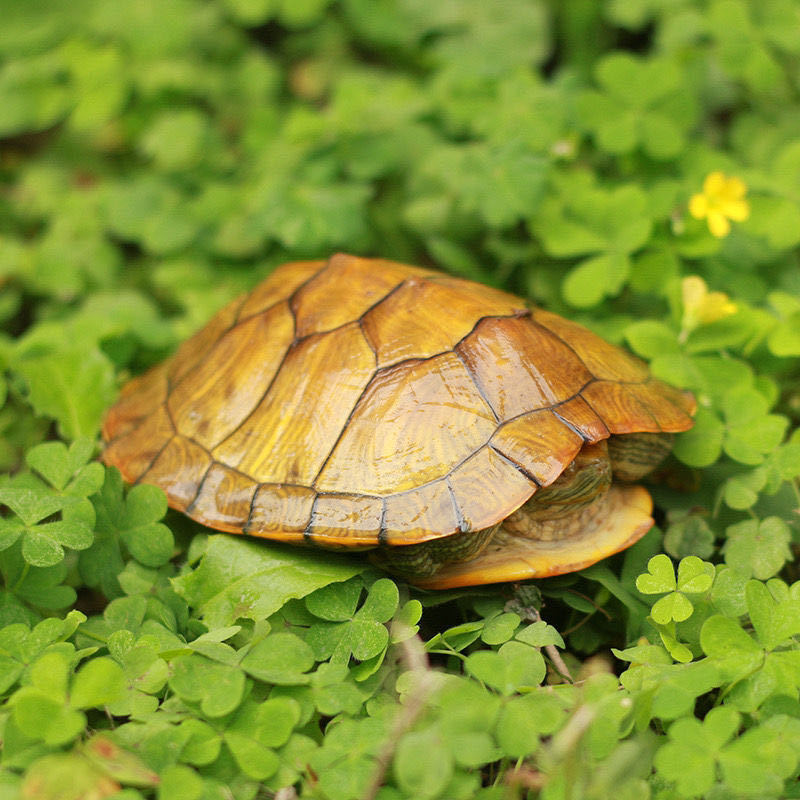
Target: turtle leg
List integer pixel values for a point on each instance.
(427, 558)
(569, 503)
(576, 521)
(555, 512)
(634, 455)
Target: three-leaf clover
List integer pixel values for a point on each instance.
(694, 577)
(348, 630)
(68, 481)
(605, 226)
(20, 646)
(689, 757)
(50, 707)
(641, 102)
(758, 547)
(132, 520)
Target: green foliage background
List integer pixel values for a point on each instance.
(159, 156)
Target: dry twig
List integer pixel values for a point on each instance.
(415, 660)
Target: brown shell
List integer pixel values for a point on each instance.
(358, 402)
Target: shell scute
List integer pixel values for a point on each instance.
(342, 520)
(672, 409)
(279, 286)
(179, 469)
(387, 445)
(192, 352)
(134, 451)
(480, 295)
(425, 317)
(539, 443)
(487, 488)
(280, 512)
(319, 305)
(512, 360)
(290, 433)
(417, 515)
(224, 499)
(578, 414)
(604, 360)
(622, 407)
(234, 377)
(140, 398)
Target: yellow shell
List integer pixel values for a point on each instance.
(361, 402)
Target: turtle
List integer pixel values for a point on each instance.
(460, 435)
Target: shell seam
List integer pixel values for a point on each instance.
(462, 523)
(190, 506)
(155, 458)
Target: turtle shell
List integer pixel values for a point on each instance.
(360, 402)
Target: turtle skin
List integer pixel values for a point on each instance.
(363, 403)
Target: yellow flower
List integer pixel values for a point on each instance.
(701, 306)
(722, 199)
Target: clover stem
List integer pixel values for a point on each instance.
(796, 488)
(448, 653)
(415, 660)
(24, 574)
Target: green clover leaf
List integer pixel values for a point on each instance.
(423, 764)
(758, 548)
(281, 658)
(689, 757)
(524, 720)
(660, 576)
(514, 667)
(31, 588)
(43, 542)
(784, 339)
(132, 521)
(67, 470)
(679, 651)
(688, 534)
(674, 606)
(774, 610)
(742, 491)
(20, 646)
(694, 577)
(604, 226)
(540, 634)
(363, 632)
(500, 628)
(499, 184)
(179, 782)
(50, 708)
(256, 729)
(242, 578)
(217, 688)
(72, 385)
(146, 673)
(751, 431)
(742, 761)
(404, 623)
(640, 104)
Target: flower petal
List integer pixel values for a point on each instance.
(735, 189)
(718, 224)
(716, 305)
(737, 210)
(714, 184)
(693, 290)
(698, 206)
